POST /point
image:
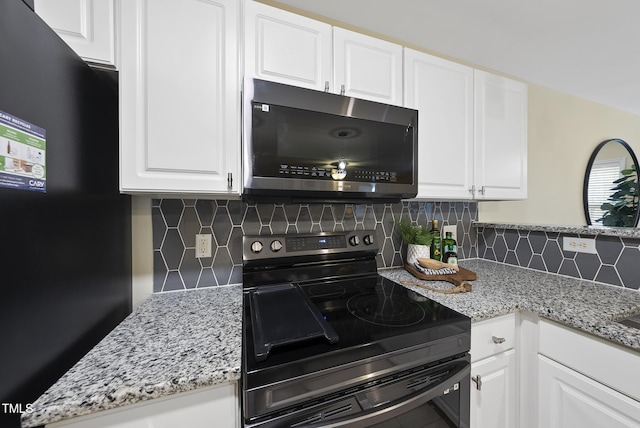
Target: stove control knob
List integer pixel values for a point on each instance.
(256, 247)
(276, 246)
(368, 239)
(354, 240)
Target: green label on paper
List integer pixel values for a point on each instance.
(22, 154)
(21, 137)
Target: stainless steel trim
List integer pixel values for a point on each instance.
(498, 340)
(388, 412)
(478, 381)
(262, 399)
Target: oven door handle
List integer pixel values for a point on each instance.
(393, 410)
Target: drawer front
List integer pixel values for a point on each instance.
(605, 362)
(492, 336)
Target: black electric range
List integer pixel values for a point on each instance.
(320, 324)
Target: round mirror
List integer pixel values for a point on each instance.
(610, 193)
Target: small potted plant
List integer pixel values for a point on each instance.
(418, 239)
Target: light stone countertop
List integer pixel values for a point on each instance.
(623, 232)
(174, 342)
(500, 289)
(181, 341)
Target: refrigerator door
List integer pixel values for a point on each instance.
(65, 258)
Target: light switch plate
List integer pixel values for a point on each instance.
(579, 245)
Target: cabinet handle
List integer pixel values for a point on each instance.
(472, 190)
(326, 86)
(497, 340)
(478, 381)
(230, 180)
(481, 191)
(341, 89)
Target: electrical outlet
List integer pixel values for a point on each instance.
(203, 246)
(579, 245)
(453, 229)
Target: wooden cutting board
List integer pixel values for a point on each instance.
(459, 279)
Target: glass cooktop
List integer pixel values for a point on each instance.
(371, 315)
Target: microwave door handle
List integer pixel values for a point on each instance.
(393, 410)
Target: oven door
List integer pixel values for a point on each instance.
(434, 397)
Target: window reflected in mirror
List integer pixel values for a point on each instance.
(611, 185)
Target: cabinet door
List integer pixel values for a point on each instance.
(567, 399)
(366, 67)
(86, 25)
(179, 97)
(494, 393)
(209, 408)
(283, 47)
(500, 125)
(442, 92)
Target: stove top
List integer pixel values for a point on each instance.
(370, 315)
(319, 321)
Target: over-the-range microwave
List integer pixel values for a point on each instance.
(306, 145)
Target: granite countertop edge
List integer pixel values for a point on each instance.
(623, 232)
(183, 341)
(173, 343)
(587, 306)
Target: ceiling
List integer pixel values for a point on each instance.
(586, 48)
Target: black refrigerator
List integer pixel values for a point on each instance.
(65, 230)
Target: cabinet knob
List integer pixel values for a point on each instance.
(497, 340)
(478, 381)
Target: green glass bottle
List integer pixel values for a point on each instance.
(436, 243)
(449, 249)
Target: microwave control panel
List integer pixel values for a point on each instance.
(319, 172)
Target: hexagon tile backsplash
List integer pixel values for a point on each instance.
(615, 263)
(177, 221)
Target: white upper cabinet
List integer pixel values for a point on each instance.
(283, 47)
(88, 26)
(500, 170)
(366, 67)
(180, 97)
(442, 92)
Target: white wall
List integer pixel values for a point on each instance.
(563, 131)
(142, 250)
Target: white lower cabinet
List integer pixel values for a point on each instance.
(569, 399)
(493, 393)
(529, 372)
(586, 382)
(213, 407)
(494, 372)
